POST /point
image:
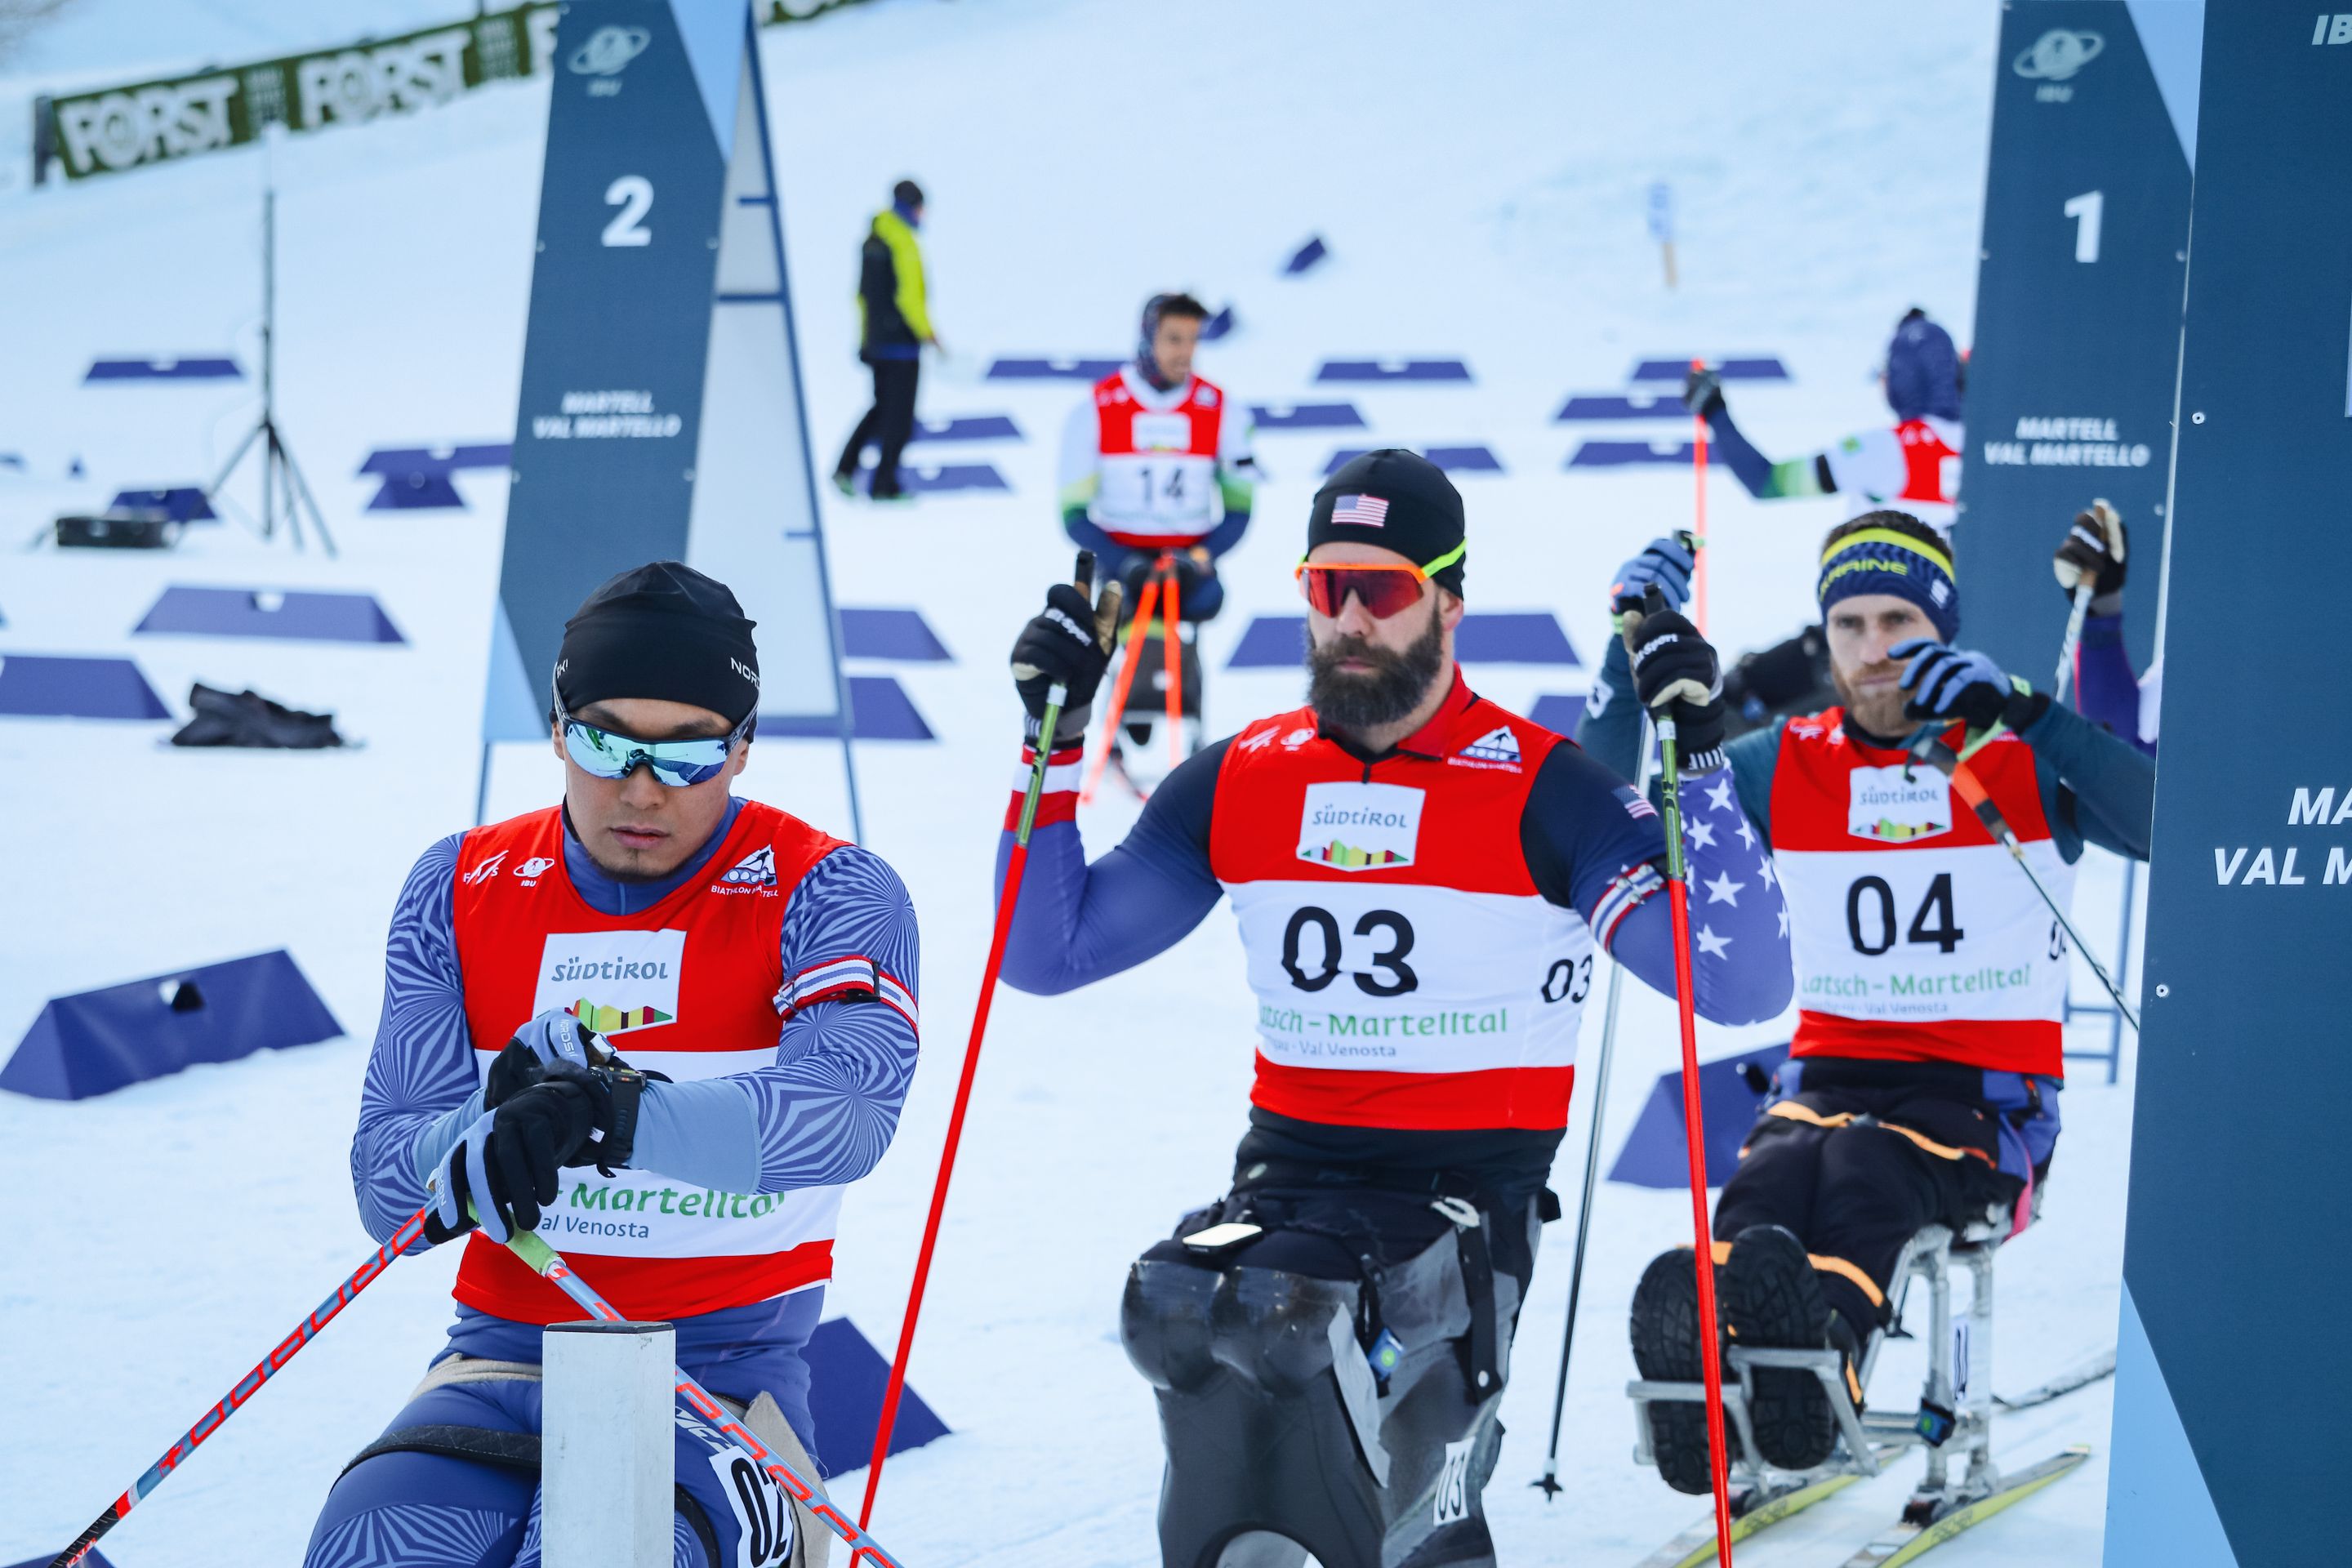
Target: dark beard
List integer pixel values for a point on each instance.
(1394, 688)
(1892, 727)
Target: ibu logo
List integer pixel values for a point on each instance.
(1360, 826)
(616, 981)
(1897, 804)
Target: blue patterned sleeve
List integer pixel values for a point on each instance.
(421, 1088)
(829, 1107)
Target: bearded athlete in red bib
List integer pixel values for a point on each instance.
(1922, 1086)
(758, 976)
(1423, 882)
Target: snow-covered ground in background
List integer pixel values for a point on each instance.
(1480, 178)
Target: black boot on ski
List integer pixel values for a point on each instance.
(1665, 1350)
(1774, 1301)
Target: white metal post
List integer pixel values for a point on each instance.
(608, 1462)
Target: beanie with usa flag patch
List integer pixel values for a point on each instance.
(1399, 501)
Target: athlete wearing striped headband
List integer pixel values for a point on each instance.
(1922, 1079)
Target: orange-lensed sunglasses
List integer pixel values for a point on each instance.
(1384, 588)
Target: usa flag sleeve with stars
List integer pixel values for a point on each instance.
(1598, 847)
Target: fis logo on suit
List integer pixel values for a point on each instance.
(486, 870)
(605, 55)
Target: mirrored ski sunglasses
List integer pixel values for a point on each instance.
(609, 755)
(1384, 587)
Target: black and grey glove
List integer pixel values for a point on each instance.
(2096, 550)
(1677, 676)
(538, 1118)
(1068, 644)
(1703, 392)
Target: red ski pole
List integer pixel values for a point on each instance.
(246, 1388)
(1106, 616)
(1694, 1129)
(1144, 601)
(1171, 670)
(1698, 524)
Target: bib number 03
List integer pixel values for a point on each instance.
(1389, 975)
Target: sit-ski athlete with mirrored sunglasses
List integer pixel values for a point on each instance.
(759, 979)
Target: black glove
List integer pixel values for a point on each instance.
(2097, 547)
(1676, 670)
(1703, 392)
(1066, 644)
(1948, 683)
(507, 1166)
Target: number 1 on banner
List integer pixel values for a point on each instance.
(2085, 210)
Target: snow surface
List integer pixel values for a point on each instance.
(1481, 184)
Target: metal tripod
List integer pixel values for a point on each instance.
(281, 476)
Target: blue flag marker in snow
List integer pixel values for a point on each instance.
(879, 708)
(1307, 417)
(1729, 1097)
(1731, 367)
(1632, 454)
(1069, 369)
(1606, 405)
(298, 615)
(662, 414)
(218, 367)
(181, 503)
(1453, 370)
(846, 1377)
(49, 686)
(97, 1041)
(1306, 256)
(968, 427)
(900, 634)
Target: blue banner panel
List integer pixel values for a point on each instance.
(97, 1041)
(53, 686)
(400, 462)
(2238, 1160)
(847, 1378)
(418, 492)
(936, 479)
(1730, 1093)
(1558, 711)
(260, 613)
(619, 326)
(2077, 335)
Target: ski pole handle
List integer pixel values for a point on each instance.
(246, 1388)
(550, 1266)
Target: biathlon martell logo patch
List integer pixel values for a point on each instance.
(1360, 827)
(616, 981)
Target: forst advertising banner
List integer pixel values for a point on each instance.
(2077, 333)
(110, 130)
(122, 128)
(2239, 1151)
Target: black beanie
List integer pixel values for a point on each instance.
(662, 630)
(907, 194)
(1399, 501)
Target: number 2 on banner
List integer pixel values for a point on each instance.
(2085, 210)
(634, 195)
